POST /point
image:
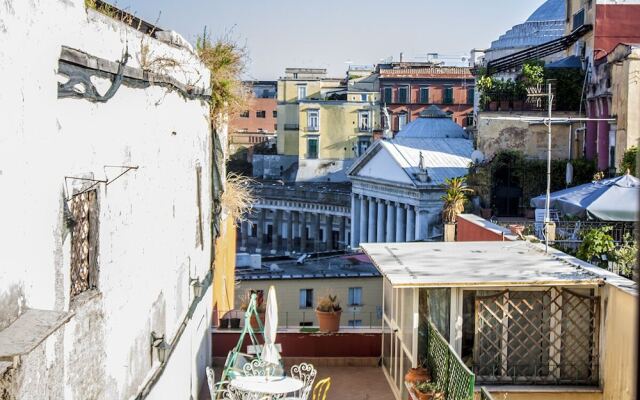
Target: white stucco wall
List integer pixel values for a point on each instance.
(148, 248)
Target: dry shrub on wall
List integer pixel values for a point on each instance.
(226, 60)
(238, 197)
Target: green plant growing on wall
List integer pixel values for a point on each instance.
(597, 246)
(629, 161)
(226, 60)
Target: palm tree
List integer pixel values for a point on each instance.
(454, 199)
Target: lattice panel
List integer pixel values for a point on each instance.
(447, 369)
(82, 207)
(545, 336)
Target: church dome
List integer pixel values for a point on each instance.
(433, 123)
(545, 24)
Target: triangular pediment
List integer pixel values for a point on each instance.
(380, 164)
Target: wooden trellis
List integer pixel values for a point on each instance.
(547, 336)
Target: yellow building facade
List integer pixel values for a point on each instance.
(322, 118)
(292, 313)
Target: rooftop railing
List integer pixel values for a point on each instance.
(447, 369)
(306, 320)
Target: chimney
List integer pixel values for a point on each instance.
(400, 56)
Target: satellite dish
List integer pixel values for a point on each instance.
(477, 156)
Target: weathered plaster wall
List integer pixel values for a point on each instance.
(494, 135)
(148, 230)
(619, 342)
(625, 102)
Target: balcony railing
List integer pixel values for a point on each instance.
(307, 320)
(569, 233)
(447, 369)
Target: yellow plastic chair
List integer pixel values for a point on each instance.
(321, 389)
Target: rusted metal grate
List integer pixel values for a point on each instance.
(546, 336)
(83, 209)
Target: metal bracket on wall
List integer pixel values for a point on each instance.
(95, 183)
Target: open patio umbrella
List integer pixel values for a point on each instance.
(270, 352)
(615, 199)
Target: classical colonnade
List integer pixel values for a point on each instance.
(294, 230)
(376, 220)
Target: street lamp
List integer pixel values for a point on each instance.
(197, 288)
(160, 345)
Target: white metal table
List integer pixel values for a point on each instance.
(267, 385)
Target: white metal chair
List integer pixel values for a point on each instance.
(261, 368)
(307, 374)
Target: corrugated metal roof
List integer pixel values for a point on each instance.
(442, 157)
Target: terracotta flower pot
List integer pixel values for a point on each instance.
(485, 213)
(254, 321)
(417, 375)
(429, 395)
(516, 229)
(329, 321)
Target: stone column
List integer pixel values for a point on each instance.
(382, 208)
(391, 222)
(303, 232)
(244, 235)
(371, 230)
(400, 223)
(355, 220)
(328, 230)
(260, 230)
(289, 232)
(411, 224)
(364, 214)
(316, 232)
(422, 224)
(343, 233)
(276, 235)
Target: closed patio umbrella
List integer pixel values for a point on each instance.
(270, 352)
(615, 199)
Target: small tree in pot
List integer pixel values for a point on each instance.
(454, 201)
(328, 312)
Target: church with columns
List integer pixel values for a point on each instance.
(397, 184)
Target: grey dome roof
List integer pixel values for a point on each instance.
(433, 123)
(550, 10)
(545, 24)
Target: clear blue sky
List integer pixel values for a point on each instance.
(328, 33)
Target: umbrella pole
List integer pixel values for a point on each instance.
(548, 195)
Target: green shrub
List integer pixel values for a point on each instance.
(597, 244)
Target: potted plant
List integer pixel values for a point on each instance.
(428, 391)
(454, 201)
(328, 312)
(417, 375)
(260, 306)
